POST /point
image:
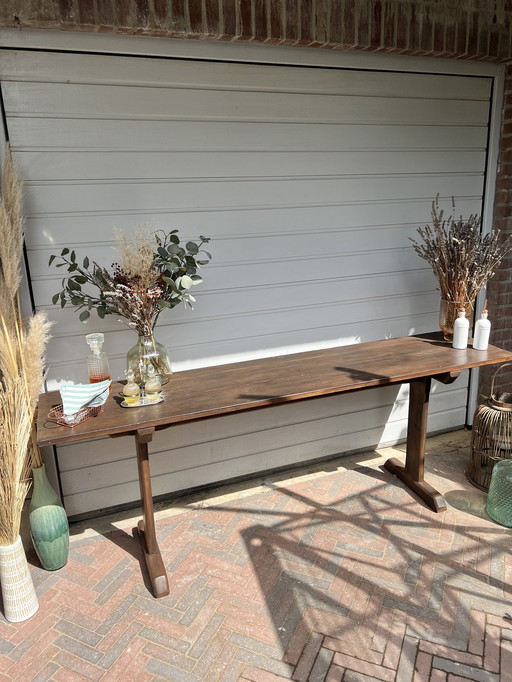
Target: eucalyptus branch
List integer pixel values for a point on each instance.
(156, 272)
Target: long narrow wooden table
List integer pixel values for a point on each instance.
(227, 389)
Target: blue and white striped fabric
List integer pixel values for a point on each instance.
(83, 395)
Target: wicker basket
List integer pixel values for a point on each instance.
(56, 414)
(491, 438)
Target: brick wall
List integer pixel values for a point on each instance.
(462, 29)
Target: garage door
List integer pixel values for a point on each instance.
(309, 182)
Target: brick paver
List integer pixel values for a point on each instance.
(330, 577)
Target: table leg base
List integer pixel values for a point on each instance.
(155, 565)
(428, 494)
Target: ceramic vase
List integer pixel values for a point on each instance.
(18, 593)
(49, 528)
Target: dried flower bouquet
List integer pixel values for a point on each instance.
(155, 272)
(461, 258)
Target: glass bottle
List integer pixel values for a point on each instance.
(131, 390)
(97, 361)
(152, 385)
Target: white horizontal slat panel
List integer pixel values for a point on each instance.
(310, 183)
(99, 101)
(174, 165)
(50, 134)
(226, 224)
(100, 69)
(44, 198)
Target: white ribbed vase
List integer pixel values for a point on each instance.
(18, 593)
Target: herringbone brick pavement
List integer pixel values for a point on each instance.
(336, 575)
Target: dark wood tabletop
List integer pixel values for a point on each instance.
(214, 391)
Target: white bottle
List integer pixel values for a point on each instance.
(482, 331)
(460, 331)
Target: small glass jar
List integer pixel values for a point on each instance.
(152, 385)
(131, 390)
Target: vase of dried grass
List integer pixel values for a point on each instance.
(49, 528)
(18, 593)
(448, 313)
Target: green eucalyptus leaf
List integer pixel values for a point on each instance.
(55, 298)
(192, 247)
(52, 258)
(73, 257)
(101, 312)
(162, 252)
(86, 263)
(174, 249)
(186, 282)
(196, 279)
(64, 251)
(62, 302)
(84, 315)
(73, 268)
(80, 279)
(73, 286)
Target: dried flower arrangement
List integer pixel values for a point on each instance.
(22, 348)
(462, 259)
(155, 272)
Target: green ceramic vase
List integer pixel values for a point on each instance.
(49, 528)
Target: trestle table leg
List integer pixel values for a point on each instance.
(146, 527)
(412, 473)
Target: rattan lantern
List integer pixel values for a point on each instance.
(491, 438)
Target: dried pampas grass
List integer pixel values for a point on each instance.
(22, 349)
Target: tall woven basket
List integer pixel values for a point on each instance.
(18, 593)
(491, 439)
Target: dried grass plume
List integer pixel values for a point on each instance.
(22, 349)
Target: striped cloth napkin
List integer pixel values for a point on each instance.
(76, 396)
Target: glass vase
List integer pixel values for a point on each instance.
(448, 312)
(499, 499)
(49, 528)
(148, 352)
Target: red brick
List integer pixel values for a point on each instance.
(195, 12)
(260, 19)
(160, 10)
(246, 18)
(422, 667)
(212, 18)
(86, 12)
(363, 667)
(228, 16)
(67, 14)
(276, 27)
(124, 15)
(492, 648)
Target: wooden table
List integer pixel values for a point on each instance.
(228, 389)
